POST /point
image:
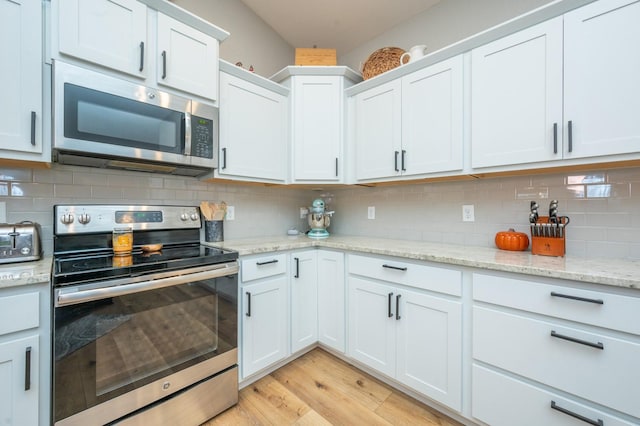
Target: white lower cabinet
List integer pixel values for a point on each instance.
(554, 336)
(18, 381)
(406, 333)
(304, 299)
(264, 303)
(331, 300)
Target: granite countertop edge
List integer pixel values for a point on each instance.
(612, 272)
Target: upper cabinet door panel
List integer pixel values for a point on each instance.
(432, 107)
(21, 72)
(112, 33)
(378, 131)
(516, 97)
(187, 58)
(602, 84)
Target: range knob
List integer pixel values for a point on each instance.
(84, 218)
(195, 216)
(67, 219)
(184, 217)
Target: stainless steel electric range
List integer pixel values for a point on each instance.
(147, 336)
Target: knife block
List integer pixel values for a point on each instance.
(549, 246)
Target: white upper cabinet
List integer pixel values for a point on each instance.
(411, 126)
(516, 97)
(317, 127)
(601, 84)
(378, 132)
(187, 58)
(432, 105)
(21, 71)
(253, 131)
(563, 89)
(111, 33)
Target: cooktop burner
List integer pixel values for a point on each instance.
(83, 267)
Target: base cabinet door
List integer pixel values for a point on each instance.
(430, 346)
(265, 313)
(19, 381)
(331, 300)
(304, 299)
(372, 328)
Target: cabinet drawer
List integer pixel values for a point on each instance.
(597, 308)
(425, 277)
(500, 400)
(261, 267)
(594, 366)
(19, 312)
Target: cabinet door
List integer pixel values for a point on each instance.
(601, 84)
(430, 347)
(432, 118)
(331, 295)
(317, 117)
(372, 325)
(378, 131)
(253, 130)
(304, 299)
(112, 33)
(19, 360)
(187, 58)
(516, 97)
(265, 333)
(21, 72)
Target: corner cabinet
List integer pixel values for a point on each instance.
(317, 121)
(411, 126)
(402, 326)
(304, 299)
(560, 90)
(161, 44)
(21, 123)
(25, 359)
(331, 300)
(253, 127)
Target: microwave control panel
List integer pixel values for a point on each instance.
(201, 137)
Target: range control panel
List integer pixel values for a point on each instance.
(92, 218)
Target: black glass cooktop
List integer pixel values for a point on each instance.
(79, 268)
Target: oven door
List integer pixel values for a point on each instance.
(122, 345)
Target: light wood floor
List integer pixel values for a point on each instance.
(320, 389)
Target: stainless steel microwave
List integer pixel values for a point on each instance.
(103, 121)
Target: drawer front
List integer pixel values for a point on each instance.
(442, 280)
(262, 267)
(597, 367)
(499, 400)
(19, 312)
(597, 308)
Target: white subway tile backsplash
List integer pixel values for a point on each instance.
(24, 175)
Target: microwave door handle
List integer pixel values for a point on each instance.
(187, 133)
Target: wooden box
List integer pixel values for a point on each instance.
(316, 57)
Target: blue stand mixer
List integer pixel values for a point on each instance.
(319, 219)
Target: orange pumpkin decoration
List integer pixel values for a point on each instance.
(512, 240)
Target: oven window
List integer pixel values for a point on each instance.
(102, 117)
(106, 348)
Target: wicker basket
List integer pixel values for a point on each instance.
(380, 61)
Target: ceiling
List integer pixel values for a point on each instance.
(336, 24)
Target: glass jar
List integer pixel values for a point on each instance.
(122, 241)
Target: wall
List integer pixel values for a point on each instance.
(29, 194)
(445, 23)
(603, 205)
(252, 41)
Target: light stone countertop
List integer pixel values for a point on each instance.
(612, 272)
(25, 273)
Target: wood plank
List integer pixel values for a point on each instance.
(274, 403)
(403, 410)
(312, 418)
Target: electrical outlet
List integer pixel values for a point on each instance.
(468, 215)
(371, 212)
(231, 213)
(303, 212)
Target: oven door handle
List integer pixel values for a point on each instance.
(75, 295)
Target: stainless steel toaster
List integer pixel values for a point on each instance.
(20, 242)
